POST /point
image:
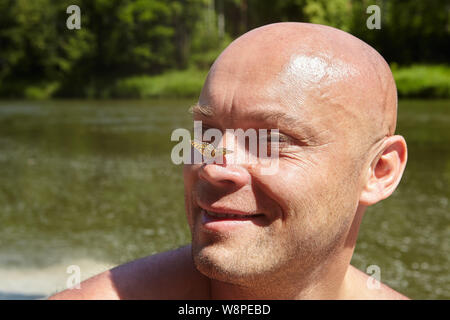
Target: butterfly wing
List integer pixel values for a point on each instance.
(208, 150)
(200, 146)
(222, 151)
(204, 148)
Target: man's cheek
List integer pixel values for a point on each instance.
(291, 183)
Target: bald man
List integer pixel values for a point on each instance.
(289, 235)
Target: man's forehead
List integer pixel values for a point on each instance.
(288, 95)
(270, 106)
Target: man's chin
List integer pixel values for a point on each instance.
(218, 263)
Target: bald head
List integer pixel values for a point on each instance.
(329, 70)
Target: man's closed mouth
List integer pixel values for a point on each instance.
(232, 216)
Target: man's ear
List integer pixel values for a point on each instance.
(385, 171)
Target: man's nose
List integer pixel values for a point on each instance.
(234, 176)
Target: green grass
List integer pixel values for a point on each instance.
(42, 92)
(424, 81)
(173, 84)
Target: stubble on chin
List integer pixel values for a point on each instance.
(236, 264)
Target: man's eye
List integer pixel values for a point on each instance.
(280, 138)
(274, 137)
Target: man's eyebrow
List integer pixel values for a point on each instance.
(273, 117)
(284, 122)
(205, 111)
(208, 111)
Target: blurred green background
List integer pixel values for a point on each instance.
(86, 117)
(159, 48)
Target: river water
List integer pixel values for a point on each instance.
(91, 184)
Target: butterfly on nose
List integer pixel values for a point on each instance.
(208, 150)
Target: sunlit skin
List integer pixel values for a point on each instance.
(334, 101)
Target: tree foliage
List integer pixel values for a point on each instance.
(123, 38)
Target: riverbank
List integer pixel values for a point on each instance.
(415, 81)
(422, 81)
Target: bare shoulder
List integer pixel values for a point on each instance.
(167, 275)
(364, 287)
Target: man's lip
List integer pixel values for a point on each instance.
(228, 223)
(222, 210)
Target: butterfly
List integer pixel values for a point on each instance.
(208, 150)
